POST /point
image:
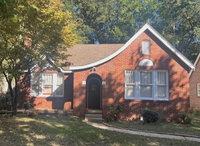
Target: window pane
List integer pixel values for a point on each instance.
(59, 84)
(146, 91)
(161, 78)
(47, 79)
(35, 77)
(47, 90)
(35, 90)
(161, 91)
(59, 79)
(145, 47)
(130, 77)
(198, 86)
(145, 78)
(130, 91)
(59, 90)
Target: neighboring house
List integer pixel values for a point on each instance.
(195, 85)
(147, 71)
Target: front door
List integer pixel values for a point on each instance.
(94, 92)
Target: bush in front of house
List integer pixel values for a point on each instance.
(149, 116)
(113, 114)
(184, 118)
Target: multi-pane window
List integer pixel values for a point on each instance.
(130, 83)
(47, 84)
(198, 89)
(161, 84)
(47, 88)
(146, 47)
(147, 85)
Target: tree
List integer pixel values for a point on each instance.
(30, 30)
(113, 21)
(116, 21)
(178, 21)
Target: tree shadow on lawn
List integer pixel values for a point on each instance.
(56, 130)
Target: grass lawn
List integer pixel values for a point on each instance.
(172, 127)
(58, 130)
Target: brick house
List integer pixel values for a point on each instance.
(195, 85)
(146, 71)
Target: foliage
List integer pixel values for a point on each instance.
(56, 112)
(26, 105)
(33, 113)
(116, 21)
(165, 127)
(45, 111)
(149, 116)
(113, 21)
(113, 113)
(195, 112)
(184, 118)
(30, 30)
(66, 112)
(179, 22)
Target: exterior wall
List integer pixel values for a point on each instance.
(194, 79)
(113, 92)
(51, 102)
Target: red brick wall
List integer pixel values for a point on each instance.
(194, 79)
(113, 73)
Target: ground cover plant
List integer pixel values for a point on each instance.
(59, 130)
(174, 127)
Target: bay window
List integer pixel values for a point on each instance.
(47, 84)
(146, 84)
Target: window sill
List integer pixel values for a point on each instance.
(156, 99)
(47, 96)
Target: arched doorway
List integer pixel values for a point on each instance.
(93, 86)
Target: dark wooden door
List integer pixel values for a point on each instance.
(94, 93)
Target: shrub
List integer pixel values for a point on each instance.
(65, 112)
(149, 116)
(26, 105)
(113, 114)
(33, 113)
(195, 112)
(184, 118)
(56, 112)
(46, 111)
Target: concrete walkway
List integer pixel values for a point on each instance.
(150, 134)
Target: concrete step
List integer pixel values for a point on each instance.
(94, 111)
(90, 117)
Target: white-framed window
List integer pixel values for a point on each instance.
(146, 84)
(146, 47)
(47, 84)
(130, 83)
(198, 89)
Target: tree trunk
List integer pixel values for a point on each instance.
(12, 96)
(15, 98)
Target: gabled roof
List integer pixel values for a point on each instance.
(88, 56)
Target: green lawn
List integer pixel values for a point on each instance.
(172, 127)
(58, 130)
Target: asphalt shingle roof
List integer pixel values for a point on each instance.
(84, 54)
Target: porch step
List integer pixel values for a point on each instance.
(94, 111)
(93, 117)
